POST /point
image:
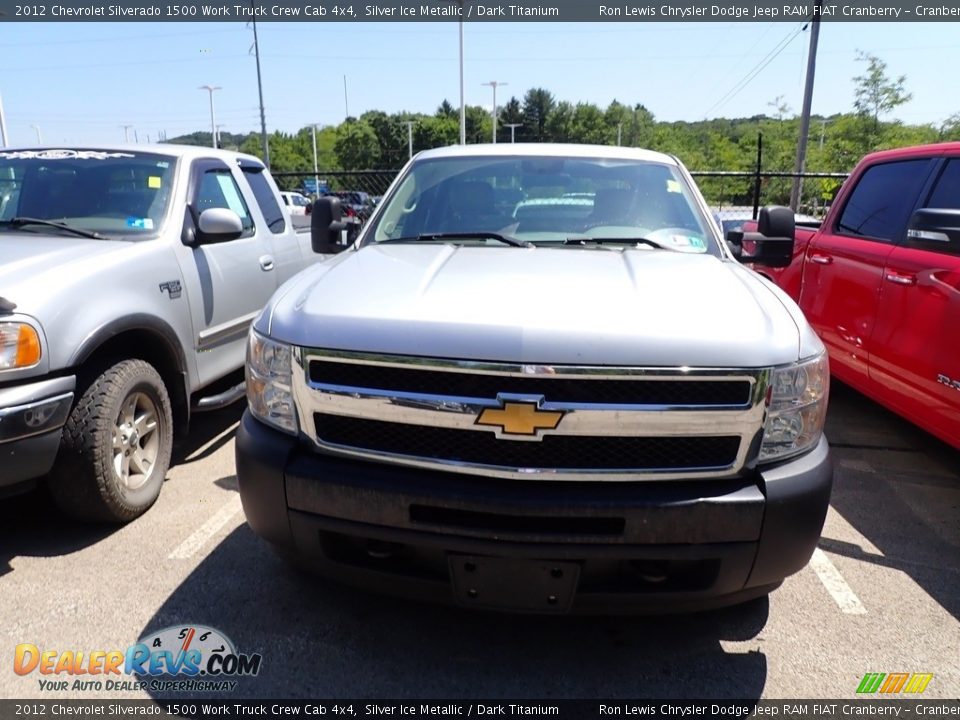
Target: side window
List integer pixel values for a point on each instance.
(266, 199)
(945, 196)
(883, 199)
(218, 189)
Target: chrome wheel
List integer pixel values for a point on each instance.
(136, 441)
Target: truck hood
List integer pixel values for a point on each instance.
(31, 264)
(579, 306)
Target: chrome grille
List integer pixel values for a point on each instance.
(617, 423)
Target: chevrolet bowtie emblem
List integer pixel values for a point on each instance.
(520, 418)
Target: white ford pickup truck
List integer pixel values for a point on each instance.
(540, 381)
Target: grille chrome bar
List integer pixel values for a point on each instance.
(366, 407)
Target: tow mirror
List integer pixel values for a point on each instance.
(772, 244)
(326, 227)
(934, 225)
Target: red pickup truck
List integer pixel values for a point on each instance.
(879, 281)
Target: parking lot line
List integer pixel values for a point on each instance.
(835, 584)
(188, 547)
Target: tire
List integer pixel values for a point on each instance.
(115, 447)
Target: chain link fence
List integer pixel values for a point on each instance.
(732, 196)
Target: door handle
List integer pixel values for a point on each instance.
(901, 279)
(266, 263)
(821, 259)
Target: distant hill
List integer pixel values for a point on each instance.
(228, 141)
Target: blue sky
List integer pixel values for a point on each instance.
(81, 82)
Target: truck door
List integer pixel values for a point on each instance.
(843, 267)
(916, 352)
(236, 277)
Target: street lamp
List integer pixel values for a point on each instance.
(3, 125)
(494, 84)
(513, 126)
(463, 107)
(316, 175)
(216, 141)
(213, 118)
(37, 130)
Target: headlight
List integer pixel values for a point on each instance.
(19, 346)
(797, 410)
(269, 374)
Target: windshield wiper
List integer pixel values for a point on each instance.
(586, 240)
(21, 221)
(478, 235)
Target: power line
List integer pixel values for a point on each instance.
(755, 70)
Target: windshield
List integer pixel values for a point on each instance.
(544, 200)
(107, 193)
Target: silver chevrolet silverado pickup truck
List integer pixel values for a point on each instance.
(129, 277)
(540, 381)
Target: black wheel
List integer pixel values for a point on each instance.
(115, 448)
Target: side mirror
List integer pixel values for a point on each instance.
(325, 226)
(934, 225)
(772, 244)
(218, 225)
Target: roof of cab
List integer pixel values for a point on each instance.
(605, 152)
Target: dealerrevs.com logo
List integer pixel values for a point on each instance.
(180, 658)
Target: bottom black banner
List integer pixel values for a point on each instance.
(660, 709)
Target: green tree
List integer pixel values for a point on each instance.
(538, 103)
(356, 146)
(510, 114)
(876, 94)
(446, 110)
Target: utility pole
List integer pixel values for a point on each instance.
(263, 117)
(795, 190)
(410, 124)
(346, 105)
(213, 117)
(3, 125)
(37, 130)
(316, 175)
(126, 132)
(619, 133)
(513, 126)
(493, 113)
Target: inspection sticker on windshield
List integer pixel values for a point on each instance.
(674, 186)
(688, 241)
(154, 182)
(140, 223)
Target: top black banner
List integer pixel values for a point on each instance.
(472, 11)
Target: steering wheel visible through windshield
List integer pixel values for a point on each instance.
(544, 200)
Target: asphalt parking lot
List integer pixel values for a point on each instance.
(882, 594)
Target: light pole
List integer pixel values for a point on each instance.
(513, 126)
(493, 114)
(410, 124)
(463, 107)
(126, 132)
(36, 129)
(213, 117)
(316, 174)
(217, 141)
(619, 133)
(3, 121)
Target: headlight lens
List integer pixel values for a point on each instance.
(19, 346)
(797, 409)
(269, 375)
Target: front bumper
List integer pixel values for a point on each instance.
(31, 417)
(645, 546)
